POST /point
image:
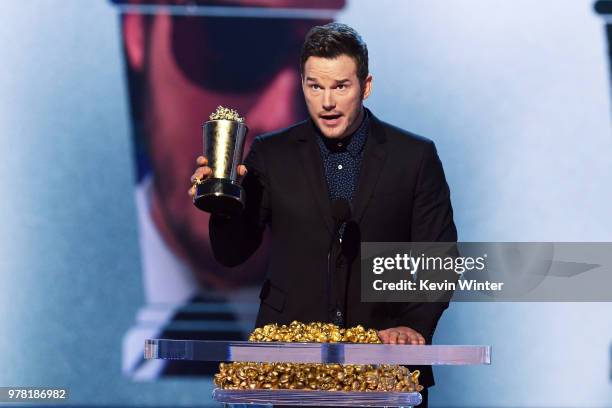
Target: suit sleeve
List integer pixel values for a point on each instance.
(235, 239)
(432, 221)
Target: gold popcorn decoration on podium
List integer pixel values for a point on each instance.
(305, 376)
(314, 333)
(226, 114)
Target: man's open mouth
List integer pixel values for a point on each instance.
(330, 119)
(331, 116)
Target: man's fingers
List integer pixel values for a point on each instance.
(416, 339)
(401, 335)
(412, 339)
(203, 172)
(242, 170)
(200, 173)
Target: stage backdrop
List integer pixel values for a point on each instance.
(99, 126)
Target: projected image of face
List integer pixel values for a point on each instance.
(186, 66)
(334, 94)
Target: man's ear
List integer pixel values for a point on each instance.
(134, 40)
(366, 87)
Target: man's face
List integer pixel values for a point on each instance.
(182, 91)
(334, 94)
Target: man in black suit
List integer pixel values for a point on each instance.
(294, 179)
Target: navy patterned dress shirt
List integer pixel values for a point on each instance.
(342, 161)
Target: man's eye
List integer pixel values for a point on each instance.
(315, 87)
(341, 87)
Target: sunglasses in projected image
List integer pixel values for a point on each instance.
(298, 9)
(236, 54)
(236, 46)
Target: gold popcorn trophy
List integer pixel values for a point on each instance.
(223, 136)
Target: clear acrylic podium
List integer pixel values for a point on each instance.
(326, 353)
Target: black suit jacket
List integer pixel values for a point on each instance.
(402, 195)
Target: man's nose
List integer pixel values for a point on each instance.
(328, 100)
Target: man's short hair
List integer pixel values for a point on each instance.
(335, 39)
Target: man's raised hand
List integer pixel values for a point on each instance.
(203, 172)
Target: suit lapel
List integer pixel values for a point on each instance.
(310, 158)
(374, 157)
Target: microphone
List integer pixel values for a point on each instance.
(341, 213)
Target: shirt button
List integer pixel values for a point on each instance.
(339, 144)
(339, 167)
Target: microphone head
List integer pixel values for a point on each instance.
(341, 210)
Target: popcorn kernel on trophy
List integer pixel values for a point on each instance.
(223, 136)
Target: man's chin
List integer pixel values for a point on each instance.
(332, 133)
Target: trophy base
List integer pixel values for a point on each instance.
(219, 196)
